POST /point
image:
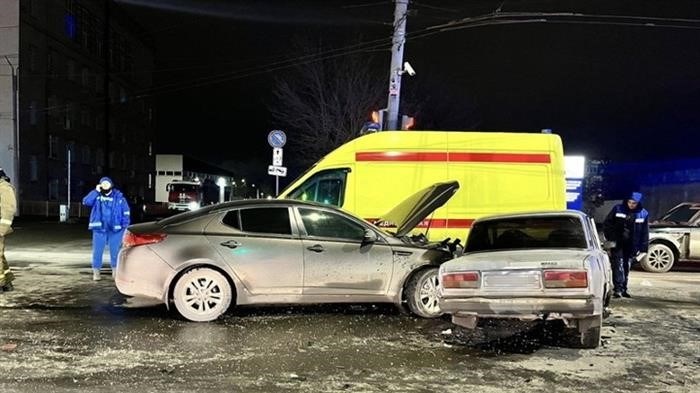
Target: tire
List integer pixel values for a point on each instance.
(659, 259)
(422, 295)
(202, 295)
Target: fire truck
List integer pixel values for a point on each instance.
(184, 195)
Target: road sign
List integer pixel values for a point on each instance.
(277, 138)
(277, 156)
(277, 170)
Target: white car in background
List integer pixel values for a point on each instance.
(675, 237)
(546, 265)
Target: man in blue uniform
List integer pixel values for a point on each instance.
(627, 225)
(109, 217)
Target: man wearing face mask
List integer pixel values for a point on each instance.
(109, 217)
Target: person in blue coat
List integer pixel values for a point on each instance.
(627, 225)
(109, 217)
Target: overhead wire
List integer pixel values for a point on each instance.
(491, 19)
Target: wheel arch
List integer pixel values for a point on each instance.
(675, 247)
(402, 294)
(196, 265)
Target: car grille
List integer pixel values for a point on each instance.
(511, 280)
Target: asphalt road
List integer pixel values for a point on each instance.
(62, 332)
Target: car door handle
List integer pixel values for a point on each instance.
(316, 248)
(231, 244)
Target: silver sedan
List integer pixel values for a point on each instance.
(258, 252)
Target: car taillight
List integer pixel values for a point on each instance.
(565, 279)
(460, 280)
(139, 239)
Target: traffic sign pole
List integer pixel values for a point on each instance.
(277, 139)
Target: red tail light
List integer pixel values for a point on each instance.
(461, 280)
(565, 279)
(139, 239)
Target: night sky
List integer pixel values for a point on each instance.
(611, 91)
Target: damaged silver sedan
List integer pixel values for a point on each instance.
(272, 252)
(549, 266)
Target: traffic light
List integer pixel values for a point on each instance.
(407, 122)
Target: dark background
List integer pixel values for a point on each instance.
(610, 91)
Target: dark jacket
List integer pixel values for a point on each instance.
(109, 212)
(628, 228)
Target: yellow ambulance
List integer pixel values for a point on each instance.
(498, 172)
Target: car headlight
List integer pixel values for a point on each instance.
(193, 205)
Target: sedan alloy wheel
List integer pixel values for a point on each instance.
(659, 259)
(202, 295)
(422, 294)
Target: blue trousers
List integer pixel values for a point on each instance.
(102, 239)
(621, 262)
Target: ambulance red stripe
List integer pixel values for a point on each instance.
(389, 156)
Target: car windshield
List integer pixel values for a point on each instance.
(681, 214)
(527, 233)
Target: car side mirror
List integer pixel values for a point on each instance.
(370, 236)
(609, 244)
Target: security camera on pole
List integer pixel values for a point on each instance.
(277, 139)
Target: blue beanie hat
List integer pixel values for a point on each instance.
(107, 179)
(636, 196)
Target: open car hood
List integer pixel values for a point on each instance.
(414, 209)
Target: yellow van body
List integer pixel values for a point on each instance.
(498, 172)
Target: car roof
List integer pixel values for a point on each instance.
(542, 213)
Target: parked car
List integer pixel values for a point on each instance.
(255, 252)
(545, 265)
(674, 237)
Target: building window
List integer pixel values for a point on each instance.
(100, 158)
(32, 113)
(70, 70)
(53, 146)
(86, 159)
(53, 189)
(33, 169)
(69, 116)
(99, 83)
(85, 76)
(70, 151)
(50, 60)
(32, 58)
(100, 121)
(85, 118)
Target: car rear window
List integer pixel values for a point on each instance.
(266, 220)
(527, 232)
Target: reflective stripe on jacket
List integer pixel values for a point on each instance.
(109, 213)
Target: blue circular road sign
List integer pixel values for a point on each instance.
(276, 138)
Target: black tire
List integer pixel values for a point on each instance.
(421, 294)
(659, 259)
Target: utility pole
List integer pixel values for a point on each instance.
(398, 41)
(105, 47)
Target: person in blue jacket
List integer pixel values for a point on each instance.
(109, 217)
(627, 225)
